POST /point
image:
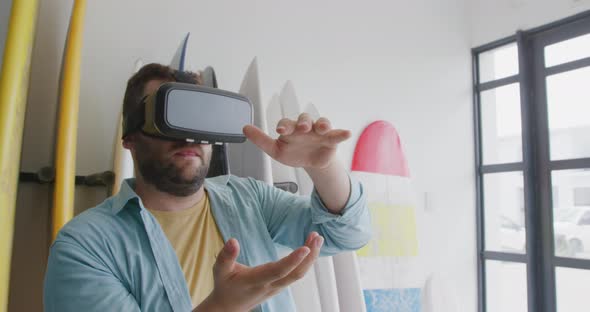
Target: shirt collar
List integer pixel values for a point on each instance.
(127, 192)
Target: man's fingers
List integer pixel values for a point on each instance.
(260, 139)
(226, 259)
(310, 237)
(286, 126)
(322, 126)
(304, 123)
(273, 271)
(303, 267)
(337, 136)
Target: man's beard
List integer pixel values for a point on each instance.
(167, 177)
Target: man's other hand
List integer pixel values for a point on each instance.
(241, 288)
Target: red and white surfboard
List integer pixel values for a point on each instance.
(389, 260)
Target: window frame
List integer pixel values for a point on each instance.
(536, 166)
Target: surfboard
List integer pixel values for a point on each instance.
(276, 112)
(327, 286)
(348, 282)
(179, 59)
(246, 159)
(291, 109)
(286, 105)
(312, 110)
(391, 273)
(280, 174)
(209, 77)
(122, 160)
(305, 291)
(67, 132)
(324, 266)
(14, 82)
(220, 162)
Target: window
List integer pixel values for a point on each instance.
(533, 168)
(582, 196)
(585, 220)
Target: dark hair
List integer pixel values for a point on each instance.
(136, 84)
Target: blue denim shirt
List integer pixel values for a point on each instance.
(115, 257)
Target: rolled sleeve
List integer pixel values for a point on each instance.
(349, 230)
(290, 218)
(354, 209)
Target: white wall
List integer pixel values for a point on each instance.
(407, 62)
(492, 20)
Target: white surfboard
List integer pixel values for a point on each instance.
(305, 291)
(280, 173)
(122, 160)
(393, 273)
(209, 77)
(246, 159)
(327, 284)
(312, 111)
(289, 103)
(288, 100)
(348, 282)
(324, 266)
(290, 109)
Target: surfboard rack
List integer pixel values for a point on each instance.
(46, 175)
(287, 186)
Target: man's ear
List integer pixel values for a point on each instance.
(129, 142)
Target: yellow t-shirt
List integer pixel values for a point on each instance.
(195, 237)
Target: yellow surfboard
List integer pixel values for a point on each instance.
(14, 82)
(65, 161)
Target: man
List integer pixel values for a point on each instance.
(169, 240)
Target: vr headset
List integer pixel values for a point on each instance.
(192, 113)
